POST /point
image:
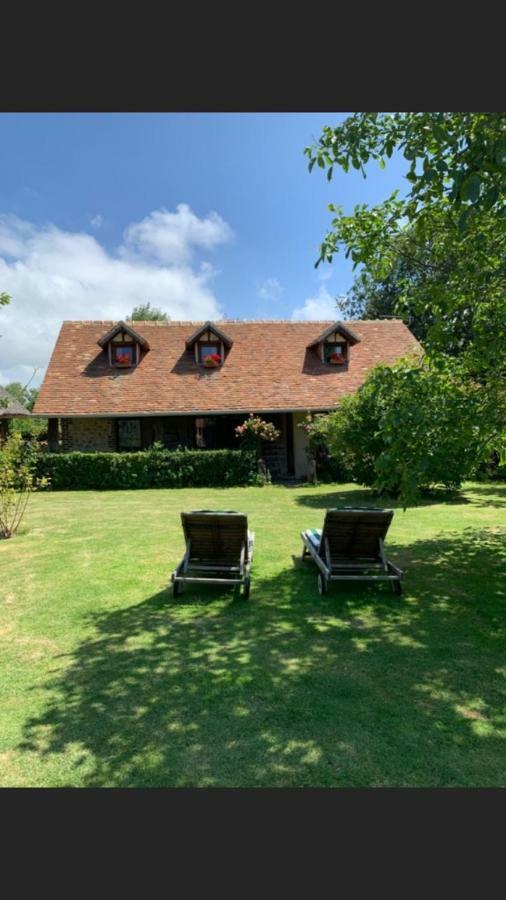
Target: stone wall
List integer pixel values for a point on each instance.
(88, 434)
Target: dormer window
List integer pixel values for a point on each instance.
(209, 345)
(210, 355)
(333, 345)
(123, 346)
(123, 354)
(335, 352)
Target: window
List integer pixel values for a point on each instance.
(199, 433)
(205, 432)
(335, 352)
(129, 434)
(210, 355)
(123, 354)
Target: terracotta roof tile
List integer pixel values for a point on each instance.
(268, 368)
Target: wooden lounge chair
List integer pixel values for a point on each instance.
(350, 547)
(219, 550)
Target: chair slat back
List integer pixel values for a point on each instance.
(216, 535)
(355, 533)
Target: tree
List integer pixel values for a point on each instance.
(448, 234)
(439, 252)
(458, 157)
(146, 313)
(4, 298)
(17, 482)
(376, 298)
(409, 427)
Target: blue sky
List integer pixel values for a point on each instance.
(202, 214)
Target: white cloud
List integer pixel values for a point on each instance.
(323, 306)
(324, 273)
(96, 221)
(53, 275)
(270, 289)
(171, 237)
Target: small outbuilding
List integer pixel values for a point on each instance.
(10, 408)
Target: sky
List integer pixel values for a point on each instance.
(208, 216)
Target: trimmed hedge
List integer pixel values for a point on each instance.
(148, 469)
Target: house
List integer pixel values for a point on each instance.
(124, 385)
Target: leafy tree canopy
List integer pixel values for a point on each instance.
(4, 298)
(147, 313)
(409, 427)
(436, 256)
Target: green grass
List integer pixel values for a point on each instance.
(106, 680)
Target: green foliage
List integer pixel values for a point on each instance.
(4, 298)
(147, 313)
(409, 428)
(437, 257)
(30, 429)
(17, 481)
(458, 157)
(329, 468)
(154, 468)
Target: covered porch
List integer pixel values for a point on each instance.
(284, 457)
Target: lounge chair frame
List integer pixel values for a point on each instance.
(190, 572)
(352, 569)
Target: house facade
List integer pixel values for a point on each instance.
(121, 386)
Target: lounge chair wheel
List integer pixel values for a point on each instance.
(322, 584)
(397, 587)
(246, 587)
(176, 588)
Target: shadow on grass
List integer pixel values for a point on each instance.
(490, 494)
(355, 688)
(365, 497)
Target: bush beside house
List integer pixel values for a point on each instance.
(148, 469)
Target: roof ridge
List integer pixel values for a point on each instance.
(193, 322)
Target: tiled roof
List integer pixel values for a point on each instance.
(268, 368)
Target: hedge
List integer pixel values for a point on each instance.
(148, 469)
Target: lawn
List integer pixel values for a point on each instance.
(107, 680)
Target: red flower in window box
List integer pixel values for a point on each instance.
(212, 361)
(336, 358)
(123, 359)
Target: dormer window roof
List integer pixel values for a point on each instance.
(208, 331)
(209, 344)
(332, 345)
(332, 333)
(123, 331)
(123, 345)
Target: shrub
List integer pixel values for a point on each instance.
(329, 468)
(17, 481)
(153, 468)
(409, 428)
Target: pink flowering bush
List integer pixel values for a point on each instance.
(254, 430)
